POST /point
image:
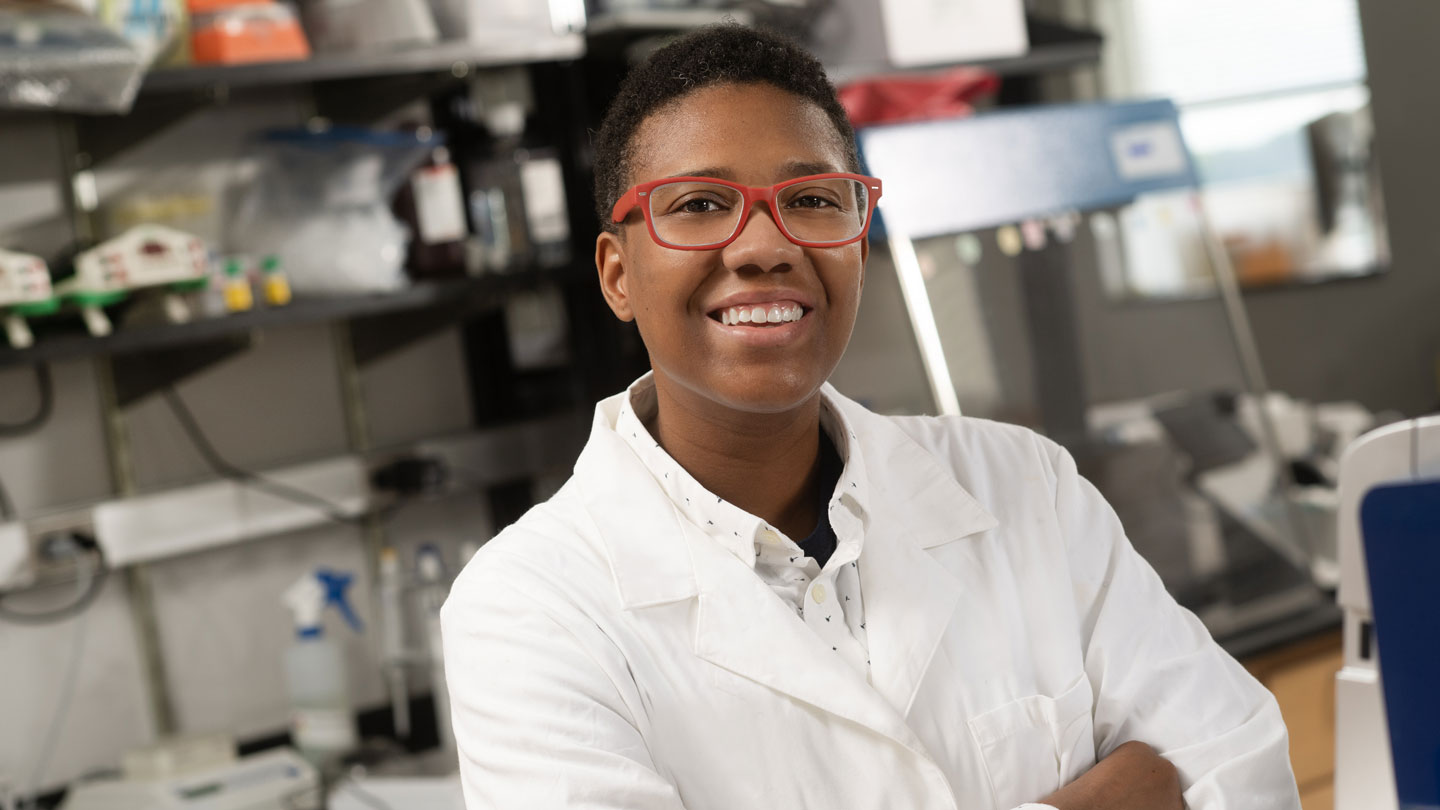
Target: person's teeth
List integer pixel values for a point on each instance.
(757, 315)
(742, 315)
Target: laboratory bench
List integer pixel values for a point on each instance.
(1301, 675)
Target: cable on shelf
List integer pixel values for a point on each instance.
(45, 387)
(93, 583)
(225, 469)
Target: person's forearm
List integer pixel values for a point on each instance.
(1133, 777)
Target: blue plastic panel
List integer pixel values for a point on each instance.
(945, 177)
(1400, 524)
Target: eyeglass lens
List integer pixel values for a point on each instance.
(693, 214)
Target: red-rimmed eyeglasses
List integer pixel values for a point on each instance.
(706, 213)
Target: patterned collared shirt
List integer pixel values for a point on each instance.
(826, 599)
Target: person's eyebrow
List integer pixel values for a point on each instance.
(715, 172)
(795, 168)
(801, 168)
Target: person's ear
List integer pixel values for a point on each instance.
(610, 263)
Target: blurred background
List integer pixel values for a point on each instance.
(299, 310)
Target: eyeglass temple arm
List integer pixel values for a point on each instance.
(624, 205)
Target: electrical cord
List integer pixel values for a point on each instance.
(225, 469)
(7, 506)
(86, 589)
(93, 585)
(45, 386)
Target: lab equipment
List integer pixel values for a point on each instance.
(1365, 770)
(238, 295)
(426, 592)
(874, 35)
(517, 201)
(411, 793)
(271, 780)
(1026, 333)
(551, 27)
(143, 257)
(432, 204)
(24, 292)
(56, 58)
(320, 203)
(155, 27)
(261, 31)
(1401, 527)
(341, 26)
(322, 720)
(393, 654)
(274, 284)
(434, 587)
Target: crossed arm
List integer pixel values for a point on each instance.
(1133, 777)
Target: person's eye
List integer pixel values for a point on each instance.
(815, 198)
(814, 201)
(698, 205)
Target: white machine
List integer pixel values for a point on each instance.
(273, 780)
(144, 256)
(1364, 773)
(24, 291)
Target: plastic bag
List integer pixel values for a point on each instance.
(321, 202)
(54, 58)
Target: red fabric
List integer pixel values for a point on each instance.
(917, 98)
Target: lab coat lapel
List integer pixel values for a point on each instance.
(745, 628)
(910, 597)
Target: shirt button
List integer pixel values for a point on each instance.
(770, 536)
(818, 594)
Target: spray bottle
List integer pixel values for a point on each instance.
(322, 719)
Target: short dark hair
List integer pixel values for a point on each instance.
(728, 53)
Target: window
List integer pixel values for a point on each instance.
(1274, 108)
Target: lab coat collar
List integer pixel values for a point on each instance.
(658, 556)
(923, 496)
(738, 531)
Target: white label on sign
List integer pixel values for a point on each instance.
(1148, 151)
(439, 205)
(544, 187)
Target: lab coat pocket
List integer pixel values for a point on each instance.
(1035, 745)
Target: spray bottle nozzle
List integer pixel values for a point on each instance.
(309, 596)
(335, 584)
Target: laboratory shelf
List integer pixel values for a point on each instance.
(447, 57)
(61, 338)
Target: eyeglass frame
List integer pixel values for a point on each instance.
(638, 196)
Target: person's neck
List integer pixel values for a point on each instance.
(766, 464)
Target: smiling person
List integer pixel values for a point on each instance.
(754, 593)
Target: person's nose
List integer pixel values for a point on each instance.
(761, 244)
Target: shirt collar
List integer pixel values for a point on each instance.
(736, 530)
(894, 482)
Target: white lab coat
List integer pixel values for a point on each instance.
(603, 652)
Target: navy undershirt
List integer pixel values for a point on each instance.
(821, 542)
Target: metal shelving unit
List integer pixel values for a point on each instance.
(65, 341)
(456, 58)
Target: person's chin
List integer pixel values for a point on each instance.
(770, 391)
